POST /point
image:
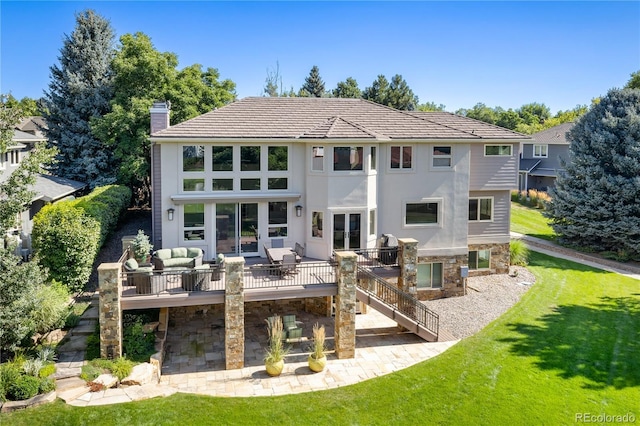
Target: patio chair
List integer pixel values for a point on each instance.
(299, 250)
(292, 328)
(277, 243)
(289, 264)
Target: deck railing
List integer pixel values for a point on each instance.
(173, 281)
(304, 274)
(403, 302)
(376, 257)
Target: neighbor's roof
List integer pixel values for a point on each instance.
(330, 118)
(555, 134)
(20, 136)
(51, 188)
(34, 124)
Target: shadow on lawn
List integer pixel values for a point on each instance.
(599, 342)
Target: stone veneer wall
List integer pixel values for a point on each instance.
(234, 313)
(345, 321)
(500, 259)
(452, 283)
(407, 256)
(110, 314)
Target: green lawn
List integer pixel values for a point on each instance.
(571, 345)
(529, 221)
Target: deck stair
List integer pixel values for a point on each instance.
(396, 304)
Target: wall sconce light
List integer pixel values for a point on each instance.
(170, 213)
(298, 210)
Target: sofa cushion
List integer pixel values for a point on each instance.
(131, 265)
(194, 252)
(163, 254)
(179, 252)
(186, 262)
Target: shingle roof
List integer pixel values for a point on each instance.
(330, 118)
(528, 164)
(20, 136)
(52, 188)
(556, 134)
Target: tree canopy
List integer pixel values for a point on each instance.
(81, 89)
(347, 89)
(313, 84)
(142, 75)
(596, 202)
(634, 81)
(396, 94)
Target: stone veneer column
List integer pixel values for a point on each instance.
(234, 313)
(408, 261)
(110, 285)
(345, 321)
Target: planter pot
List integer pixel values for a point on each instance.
(274, 368)
(317, 365)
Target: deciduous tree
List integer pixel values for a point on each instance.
(595, 203)
(81, 89)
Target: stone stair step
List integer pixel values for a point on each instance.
(75, 343)
(83, 329)
(92, 312)
(71, 388)
(67, 372)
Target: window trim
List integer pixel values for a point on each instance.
(434, 157)
(431, 286)
(436, 224)
(499, 154)
(475, 267)
(373, 222)
(477, 219)
(401, 168)
(541, 145)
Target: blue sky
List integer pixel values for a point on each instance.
(503, 54)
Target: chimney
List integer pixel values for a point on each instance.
(160, 116)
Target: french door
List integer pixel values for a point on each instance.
(237, 229)
(346, 231)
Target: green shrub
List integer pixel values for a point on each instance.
(93, 344)
(94, 368)
(137, 345)
(67, 235)
(518, 253)
(65, 241)
(47, 384)
(47, 370)
(24, 387)
(52, 303)
(32, 367)
(122, 367)
(9, 373)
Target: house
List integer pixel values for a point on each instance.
(336, 174)
(540, 159)
(47, 188)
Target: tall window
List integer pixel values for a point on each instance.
(372, 222)
(3, 160)
(442, 156)
(498, 150)
(278, 158)
(222, 158)
(316, 224)
(15, 157)
(480, 259)
(374, 160)
(278, 219)
(480, 209)
(429, 275)
(193, 220)
(250, 158)
(193, 184)
(541, 151)
(401, 157)
(421, 213)
(347, 158)
(317, 159)
(193, 158)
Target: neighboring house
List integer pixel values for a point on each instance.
(334, 174)
(540, 159)
(48, 188)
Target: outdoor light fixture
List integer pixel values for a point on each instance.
(298, 210)
(170, 213)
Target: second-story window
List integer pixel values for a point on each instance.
(3, 160)
(278, 157)
(317, 159)
(442, 157)
(401, 157)
(222, 158)
(250, 158)
(193, 158)
(480, 209)
(347, 158)
(14, 157)
(498, 150)
(540, 151)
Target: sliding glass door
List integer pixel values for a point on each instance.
(237, 229)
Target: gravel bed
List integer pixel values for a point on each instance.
(487, 298)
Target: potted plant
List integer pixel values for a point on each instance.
(276, 351)
(317, 358)
(141, 247)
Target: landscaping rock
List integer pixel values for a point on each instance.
(9, 406)
(141, 374)
(106, 380)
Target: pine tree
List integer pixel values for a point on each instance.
(347, 89)
(313, 85)
(378, 91)
(79, 91)
(400, 95)
(596, 202)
